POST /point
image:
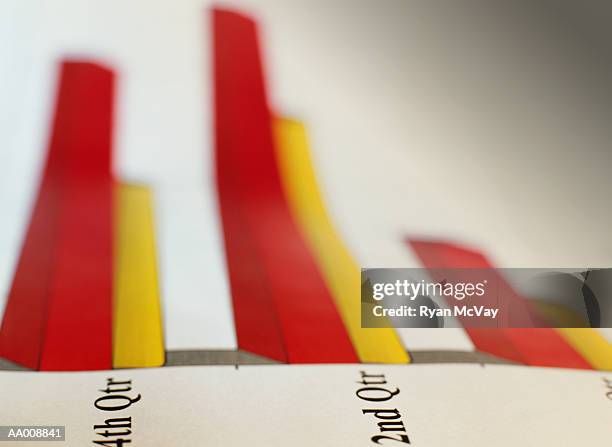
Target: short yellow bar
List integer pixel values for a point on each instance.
(592, 345)
(340, 272)
(137, 327)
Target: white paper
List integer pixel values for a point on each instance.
(461, 405)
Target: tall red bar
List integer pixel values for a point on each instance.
(78, 331)
(58, 316)
(282, 306)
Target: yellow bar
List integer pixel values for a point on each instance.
(137, 328)
(593, 346)
(342, 275)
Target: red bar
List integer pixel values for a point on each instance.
(59, 312)
(282, 307)
(537, 347)
(78, 332)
